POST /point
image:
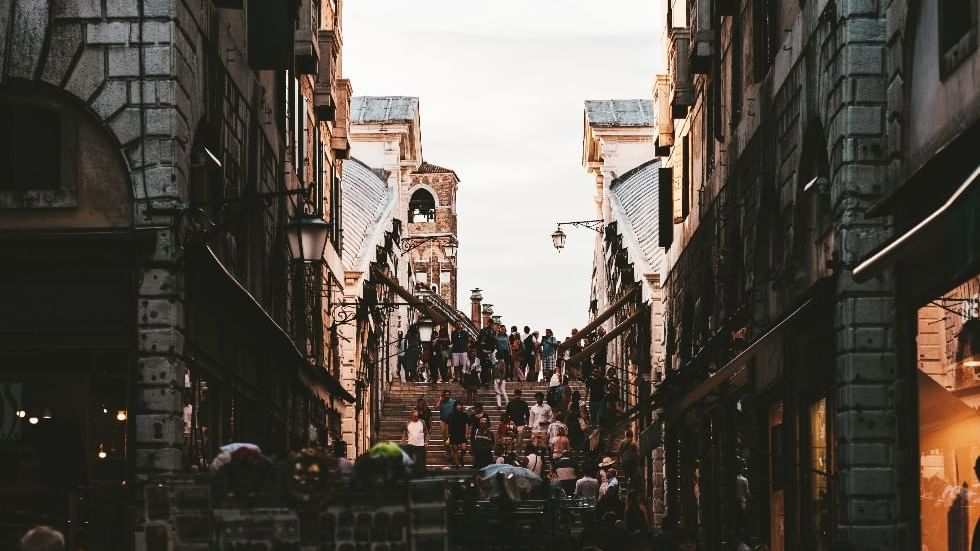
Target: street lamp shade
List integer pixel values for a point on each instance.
(425, 330)
(558, 239)
(307, 234)
(450, 250)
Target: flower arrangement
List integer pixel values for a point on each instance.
(241, 470)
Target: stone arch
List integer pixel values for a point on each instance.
(82, 178)
(85, 48)
(423, 200)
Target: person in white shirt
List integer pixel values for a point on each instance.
(555, 428)
(587, 489)
(533, 461)
(540, 417)
(415, 437)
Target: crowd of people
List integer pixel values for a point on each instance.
(456, 357)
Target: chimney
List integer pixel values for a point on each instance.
(475, 299)
(487, 315)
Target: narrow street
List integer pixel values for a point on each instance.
(378, 275)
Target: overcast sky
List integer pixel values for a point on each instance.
(501, 87)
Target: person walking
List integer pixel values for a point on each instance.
(575, 420)
(425, 414)
(518, 410)
(437, 363)
(566, 470)
(500, 382)
(549, 350)
(503, 351)
(534, 461)
(597, 397)
(461, 347)
(416, 437)
(413, 349)
(629, 457)
(516, 356)
(528, 353)
(507, 433)
(540, 418)
(482, 443)
(446, 406)
(587, 487)
(471, 375)
(458, 424)
(403, 372)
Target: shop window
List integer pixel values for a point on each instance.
(421, 207)
(948, 383)
(957, 32)
(777, 460)
(818, 475)
(37, 151)
(422, 278)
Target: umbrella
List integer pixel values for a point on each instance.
(507, 470)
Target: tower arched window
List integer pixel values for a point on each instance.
(421, 207)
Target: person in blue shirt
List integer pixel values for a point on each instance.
(549, 347)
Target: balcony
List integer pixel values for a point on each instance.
(324, 99)
(339, 141)
(306, 46)
(679, 57)
(663, 118)
(703, 39)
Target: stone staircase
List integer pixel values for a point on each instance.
(404, 395)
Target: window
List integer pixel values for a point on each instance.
(764, 29)
(686, 178)
(957, 32)
(37, 151)
(948, 380)
(421, 207)
(421, 278)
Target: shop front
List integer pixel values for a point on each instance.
(935, 257)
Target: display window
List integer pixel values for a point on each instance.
(948, 383)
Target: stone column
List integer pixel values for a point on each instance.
(475, 311)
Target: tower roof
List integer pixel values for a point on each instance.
(429, 168)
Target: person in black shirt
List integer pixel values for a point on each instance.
(458, 423)
(597, 397)
(518, 409)
(460, 348)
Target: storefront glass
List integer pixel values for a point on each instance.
(948, 381)
(820, 510)
(777, 509)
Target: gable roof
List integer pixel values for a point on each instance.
(619, 112)
(363, 205)
(634, 198)
(373, 109)
(429, 168)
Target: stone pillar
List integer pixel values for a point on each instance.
(488, 315)
(475, 311)
(867, 433)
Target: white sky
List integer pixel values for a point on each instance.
(501, 86)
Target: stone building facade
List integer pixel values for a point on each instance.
(781, 397)
(618, 149)
(153, 154)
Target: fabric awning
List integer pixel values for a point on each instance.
(602, 317)
(408, 297)
(964, 198)
(244, 297)
(730, 370)
(615, 332)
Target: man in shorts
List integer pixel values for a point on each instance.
(460, 348)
